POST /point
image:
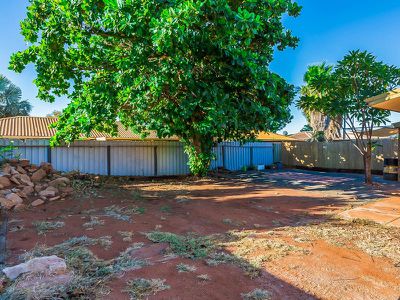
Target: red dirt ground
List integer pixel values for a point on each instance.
(322, 271)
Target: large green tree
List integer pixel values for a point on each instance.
(11, 103)
(197, 69)
(341, 91)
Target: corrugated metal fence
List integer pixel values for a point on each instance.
(335, 155)
(140, 158)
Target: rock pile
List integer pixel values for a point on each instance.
(23, 184)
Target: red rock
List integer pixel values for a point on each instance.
(37, 202)
(21, 194)
(14, 198)
(19, 207)
(60, 182)
(46, 167)
(38, 175)
(28, 190)
(39, 187)
(49, 192)
(13, 161)
(15, 180)
(5, 192)
(25, 179)
(7, 169)
(55, 198)
(24, 162)
(13, 171)
(4, 181)
(6, 203)
(21, 170)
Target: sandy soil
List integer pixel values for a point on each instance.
(267, 210)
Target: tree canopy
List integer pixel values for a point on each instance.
(341, 91)
(197, 69)
(11, 103)
(323, 126)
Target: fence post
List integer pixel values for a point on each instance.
(223, 156)
(155, 161)
(109, 160)
(251, 156)
(49, 154)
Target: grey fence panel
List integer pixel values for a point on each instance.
(35, 150)
(137, 158)
(86, 159)
(172, 160)
(132, 161)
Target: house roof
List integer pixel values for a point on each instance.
(27, 127)
(273, 137)
(301, 136)
(387, 101)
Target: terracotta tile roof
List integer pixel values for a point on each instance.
(273, 137)
(301, 136)
(26, 127)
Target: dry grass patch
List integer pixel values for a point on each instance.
(122, 213)
(42, 227)
(189, 246)
(141, 288)
(94, 221)
(184, 268)
(249, 250)
(369, 237)
(204, 277)
(257, 294)
(90, 274)
(126, 235)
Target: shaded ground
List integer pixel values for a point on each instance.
(275, 231)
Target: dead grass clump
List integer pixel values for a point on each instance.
(141, 288)
(372, 238)
(94, 221)
(90, 274)
(122, 213)
(189, 246)
(184, 268)
(204, 277)
(42, 227)
(126, 235)
(257, 294)
(126, 261)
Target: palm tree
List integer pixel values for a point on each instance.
(10, 100)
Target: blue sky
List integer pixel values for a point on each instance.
(327, 31)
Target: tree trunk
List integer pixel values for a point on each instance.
(334, 129)
(368, 165)
(199, 150)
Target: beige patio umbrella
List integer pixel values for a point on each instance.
(389, 101)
